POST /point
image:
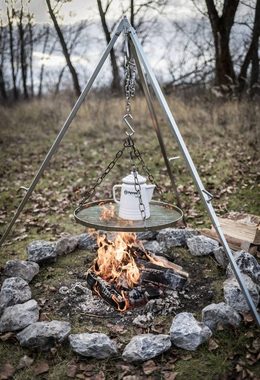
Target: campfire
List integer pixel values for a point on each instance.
(126, 275)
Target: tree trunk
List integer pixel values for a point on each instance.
(115, 86)
(23, 58)
(47, 33)
(65, 50)
(252, 54)
(30, 28)
(132, 15)
(2, 85)
(221, 28)
(11, 47)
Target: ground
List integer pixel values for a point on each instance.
(222, 138)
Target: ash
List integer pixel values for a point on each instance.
(77, 298)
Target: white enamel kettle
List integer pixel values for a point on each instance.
(129, 199)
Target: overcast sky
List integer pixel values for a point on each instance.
(76, 10)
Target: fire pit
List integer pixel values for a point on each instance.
(126, 275)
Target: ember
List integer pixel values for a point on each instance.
(125, 275)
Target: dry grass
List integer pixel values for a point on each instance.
(222, 139)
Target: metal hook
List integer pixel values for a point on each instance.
(210, 196)
(128, 115)
(22, 188)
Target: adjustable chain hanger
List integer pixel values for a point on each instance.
(124, 26)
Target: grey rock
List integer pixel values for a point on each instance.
(95, 345)
(187, 333)
(19, 316)
(201, 245)
(234, 296)
(143, 320)
(146, 346)
(155, 247)
(221, 257)
(175, 237)
(14, 290)
(247, 265)
(147, 235)
(220, 314)
(41, 251)
(43, 335)
(87, 241)
(19, 268)
(66, 244)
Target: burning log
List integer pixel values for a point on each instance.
(106, 291)
(125, 275)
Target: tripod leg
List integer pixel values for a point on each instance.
(205, 196)
(64, 129)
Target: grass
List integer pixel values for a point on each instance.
(222, 139)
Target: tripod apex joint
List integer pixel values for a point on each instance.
(147, 76)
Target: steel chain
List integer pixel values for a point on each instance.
(130, 79)
(88, 193)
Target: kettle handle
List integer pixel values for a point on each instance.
(114, 192)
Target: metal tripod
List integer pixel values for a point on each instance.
(143, 66)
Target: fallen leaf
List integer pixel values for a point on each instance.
(99, 376)
(25, 362)
(40, 368)
(7, 336)
(169, 375)
(248, 318)
(149, 367)
(71, 370)
(7, 371)
(186, 357)
(212, 345)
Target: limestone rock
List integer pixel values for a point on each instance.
(155, 247)
(201, 245)
(66, 244)
(14, 290)
(175, 237)
(41, 251)
(42, 335)
(147, 235)
(187, 333)
(19, 268)
(234, 296)
(220, 314)
(19, 316)
(247, 264)
(221, 257)
(143, 320)
(87, 241)
(95, 345)
(146, 346)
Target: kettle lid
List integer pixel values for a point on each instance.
(130, 179)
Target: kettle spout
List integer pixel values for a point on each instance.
(149, 192)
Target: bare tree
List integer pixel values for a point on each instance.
(251, 55)
(65, 50)
(103, 13)
(3, 33)
(221, 28)
(31, 47)
(10, 17)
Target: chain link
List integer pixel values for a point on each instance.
(88, 193)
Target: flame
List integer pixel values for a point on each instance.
(107, 213)
(115, 262)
